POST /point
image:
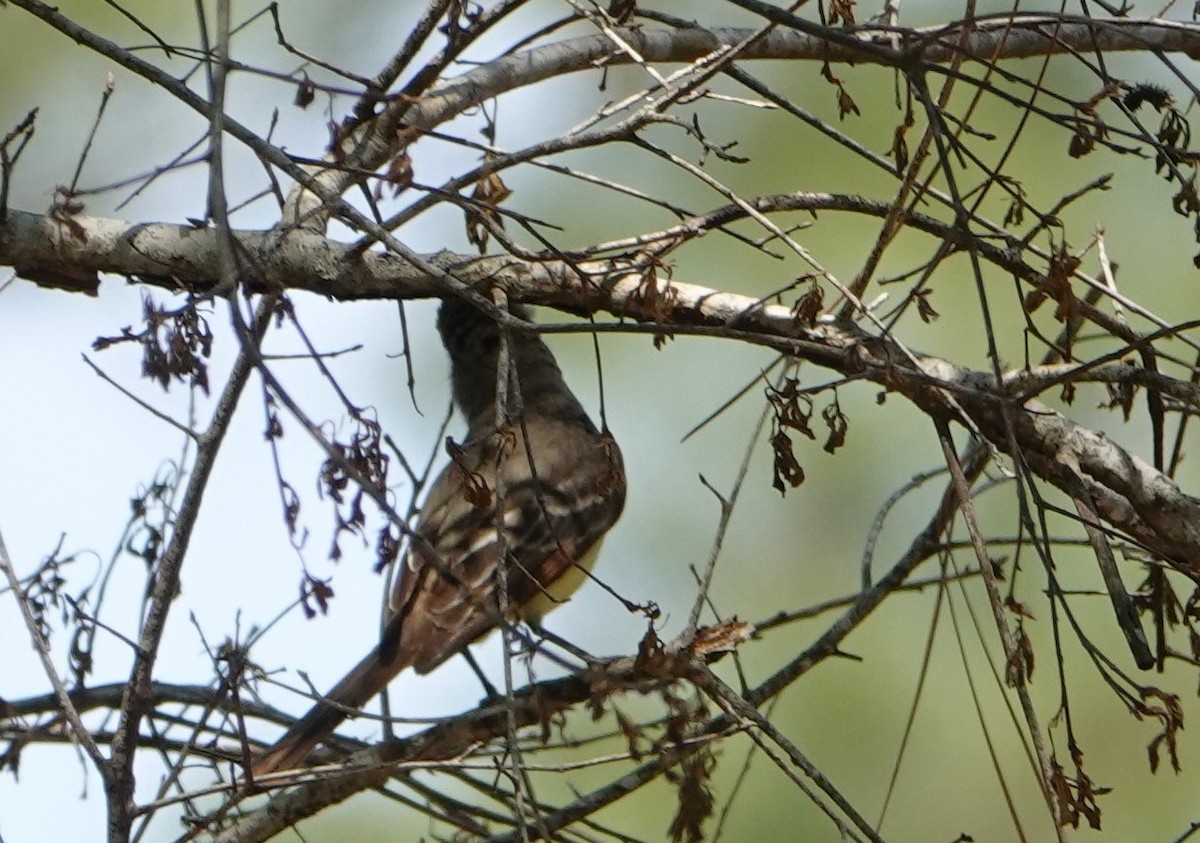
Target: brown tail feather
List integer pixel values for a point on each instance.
(356, 689)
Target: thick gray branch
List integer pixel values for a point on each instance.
(1129, 493)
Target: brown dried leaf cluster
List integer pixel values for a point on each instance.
(176, 344)
(792, 409)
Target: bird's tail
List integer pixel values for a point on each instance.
(356, 689)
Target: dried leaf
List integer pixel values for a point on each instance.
(846, 104)
(924, 308)
(1169, 713)
(841, 11)
(1120, 396)
(632, 732)
(899, 149)
(651, 655)
(399, 173)
(724, 637)
(1081, 144)
(475, 489)
(1017, 607)
(1057, 285)
(695, 797)
(808, 307)
(361, 456)
(837, 423)
(787, 471)
(490, 192)
(318, 591)
(291, 506)
(306, 92)
(792, 408)
(1076, 797)
(654, 301)
(1020, 665)
(387, 546)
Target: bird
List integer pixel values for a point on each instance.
(561, 486)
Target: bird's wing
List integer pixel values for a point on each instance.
(449, 592)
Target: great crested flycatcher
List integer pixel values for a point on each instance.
(562, 487)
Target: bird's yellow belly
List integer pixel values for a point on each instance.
(559, 591)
